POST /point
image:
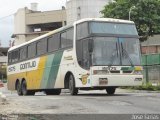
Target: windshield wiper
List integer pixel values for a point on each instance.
(127, 55)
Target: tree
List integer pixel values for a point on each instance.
(146, 15)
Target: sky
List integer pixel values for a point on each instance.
(9, 7)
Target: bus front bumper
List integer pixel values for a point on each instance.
(116, 80)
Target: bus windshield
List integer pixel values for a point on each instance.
(112, 51)
(113, 44)
(112, 28)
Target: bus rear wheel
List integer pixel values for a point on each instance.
(72, 88)
(26, 92)
(53, 92)
(19, 89)
(110, 90)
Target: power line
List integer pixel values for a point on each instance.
(6, 16)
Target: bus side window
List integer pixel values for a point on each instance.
(82, 30)
(23, 53)
(42, 47)
(32, 50)
(70, 37)
(53, 43)
(16, 55)
(79, 52)
(63, 40)
(67, 38)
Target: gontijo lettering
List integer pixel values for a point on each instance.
(28, 65)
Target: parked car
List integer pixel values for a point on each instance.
(1, 84)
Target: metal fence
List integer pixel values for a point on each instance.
(152, 74)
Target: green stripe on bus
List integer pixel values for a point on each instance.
(54, 69)
(51, 70)
(47, 71)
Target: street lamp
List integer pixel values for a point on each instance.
(130, 10)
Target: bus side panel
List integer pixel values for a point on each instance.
(50, 75)
(12, 80)
(34, 78)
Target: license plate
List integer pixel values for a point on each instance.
(103, 81)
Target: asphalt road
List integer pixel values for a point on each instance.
(90, 102)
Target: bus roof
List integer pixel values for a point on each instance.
(40, 37)
(104, 19)
(77, 22)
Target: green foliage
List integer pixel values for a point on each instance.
(146, 15)
(148, 87)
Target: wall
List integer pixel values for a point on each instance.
(78, 9)
(45, 17)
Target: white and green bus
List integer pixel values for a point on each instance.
(91, 54)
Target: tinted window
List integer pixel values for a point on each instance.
(14, 56)
(53, 43)
(83, 54)
(32, 50)
(82, 30)
(9, 57)
(67, 38)
(63, 40)
(113, 28)
(23, 53)
(41, 47)
(70, 37)
(79, 52)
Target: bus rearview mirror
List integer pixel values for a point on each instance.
(90, 45)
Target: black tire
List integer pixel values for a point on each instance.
(19, 88)
(110, 90)
(30, 92)
(26, 92)
(53, 92)
(72, 88)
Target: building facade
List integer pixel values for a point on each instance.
(151, 46)
(3, 62)
(29, 24)
(78, 9)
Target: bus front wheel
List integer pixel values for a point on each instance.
(72, 88)
(110, 90)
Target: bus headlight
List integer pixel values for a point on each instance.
(100, 72)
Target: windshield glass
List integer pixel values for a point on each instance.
(105, 51)
(115, 51)
(113, 28)
(130, 51)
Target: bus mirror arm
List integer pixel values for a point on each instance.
(90, 45)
